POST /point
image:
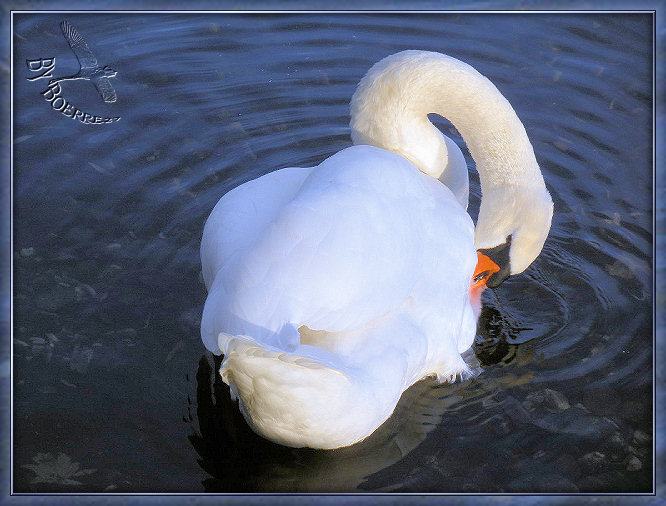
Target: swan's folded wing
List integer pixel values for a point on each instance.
(364, 232)
(242, 214)
(325, 265)
(347, 250)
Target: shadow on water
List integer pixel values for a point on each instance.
(107, 224)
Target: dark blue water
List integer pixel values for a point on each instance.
(113, 390)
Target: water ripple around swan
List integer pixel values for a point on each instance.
(107, 355)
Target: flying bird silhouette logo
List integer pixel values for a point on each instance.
(90, 69)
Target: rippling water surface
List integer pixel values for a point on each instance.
(113, 390)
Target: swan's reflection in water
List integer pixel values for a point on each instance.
(238, 460)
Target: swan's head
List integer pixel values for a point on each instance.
(512, 227)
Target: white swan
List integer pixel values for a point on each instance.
(332, 289)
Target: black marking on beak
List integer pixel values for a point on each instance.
(499, 255)
(480, 276)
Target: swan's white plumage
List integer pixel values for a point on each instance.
(334, 288)
(355, 240)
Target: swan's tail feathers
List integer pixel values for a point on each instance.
(288, 398)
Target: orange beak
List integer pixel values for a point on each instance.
(485, 268)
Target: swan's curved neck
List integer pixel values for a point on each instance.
(389, 110)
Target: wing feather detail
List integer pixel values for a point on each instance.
(79, 47)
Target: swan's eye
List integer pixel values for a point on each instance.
(481, 276)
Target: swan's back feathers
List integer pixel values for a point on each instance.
(355, 241)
